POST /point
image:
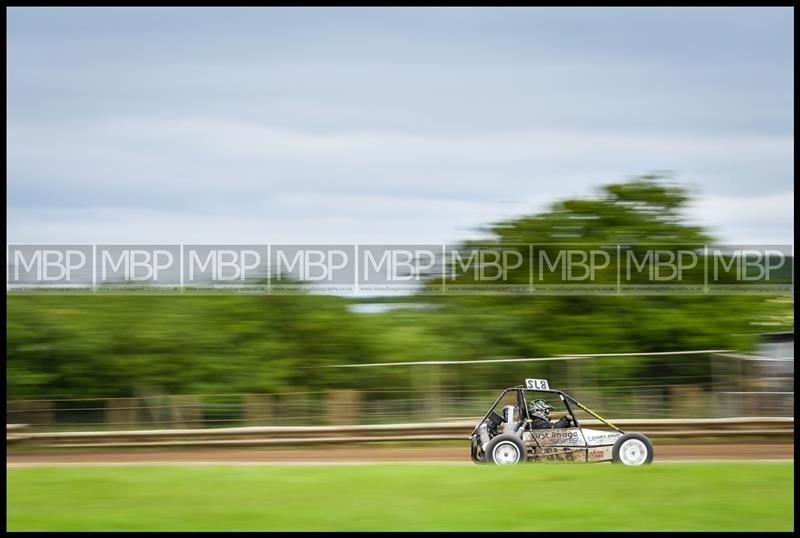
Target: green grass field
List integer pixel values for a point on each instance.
(712, 497)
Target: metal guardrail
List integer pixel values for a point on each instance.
(312, 435)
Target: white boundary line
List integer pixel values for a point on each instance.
(558, 358)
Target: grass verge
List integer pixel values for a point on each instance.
(698, 496)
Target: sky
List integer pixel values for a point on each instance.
(387, 125)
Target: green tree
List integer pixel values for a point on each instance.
(639, 212)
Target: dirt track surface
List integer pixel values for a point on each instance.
(371, 454)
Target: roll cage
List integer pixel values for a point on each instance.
(523, 407)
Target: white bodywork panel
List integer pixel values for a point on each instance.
(600, 438)
(571, 444)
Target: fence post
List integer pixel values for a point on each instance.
(435, 396)
(257, 409)
(186, 411)
(121, 413)
(341, 407)
(685, 400)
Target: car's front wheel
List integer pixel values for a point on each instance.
(632, 449)
(506, 449)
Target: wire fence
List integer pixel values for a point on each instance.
(728, 385)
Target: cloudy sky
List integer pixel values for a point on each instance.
(387, 125)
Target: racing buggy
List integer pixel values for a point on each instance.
(513, 435)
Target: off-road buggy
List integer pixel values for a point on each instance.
(509, 437)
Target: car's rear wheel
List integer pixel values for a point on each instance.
(506, 449)
(632, 449)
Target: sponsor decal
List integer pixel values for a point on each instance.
(599, 454)
(602, 439)
(559, 437)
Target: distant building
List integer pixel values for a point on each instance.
(770, 375)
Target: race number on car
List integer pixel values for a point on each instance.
(537, 384)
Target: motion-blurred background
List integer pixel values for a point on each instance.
(117, 362)
(461, 126)
(508, 126)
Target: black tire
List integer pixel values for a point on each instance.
(473, 451)
(631, 453)
(506, 449)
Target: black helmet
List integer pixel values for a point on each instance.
(540, 409)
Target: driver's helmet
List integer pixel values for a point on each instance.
(540, 409)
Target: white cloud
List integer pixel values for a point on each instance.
(348, 186)
(304, 218)
(758, 219)
(385, 125)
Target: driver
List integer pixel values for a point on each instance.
(539, 411)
